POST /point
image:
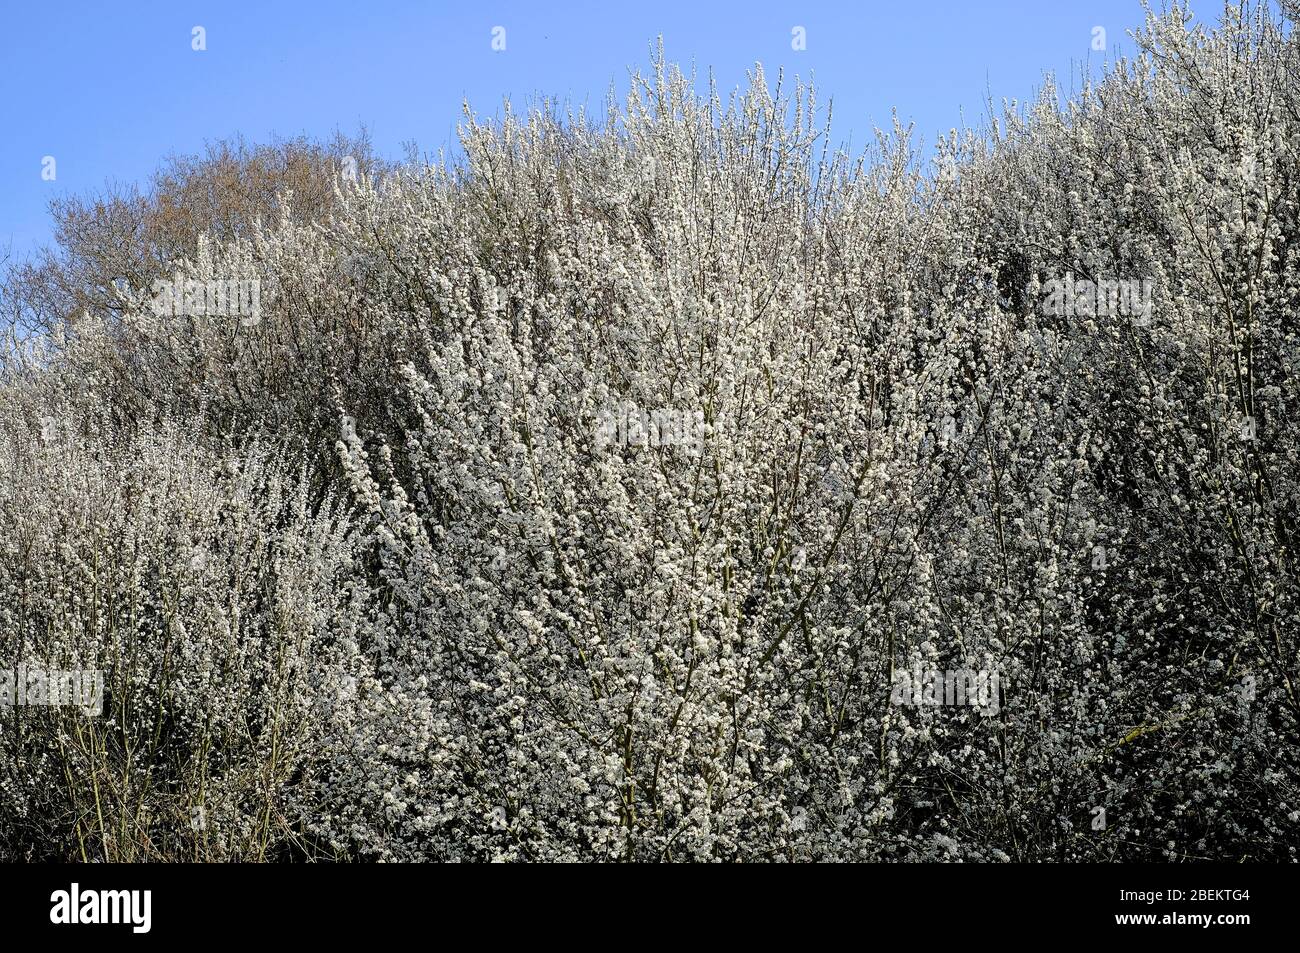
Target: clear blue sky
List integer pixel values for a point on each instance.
(109, 89)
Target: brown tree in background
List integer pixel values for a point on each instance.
(128, 235)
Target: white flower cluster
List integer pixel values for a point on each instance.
(364, 582)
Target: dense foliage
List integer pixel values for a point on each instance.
(372, 576)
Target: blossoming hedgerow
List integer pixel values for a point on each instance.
(367, 579)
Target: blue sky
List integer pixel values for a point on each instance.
(108, 89)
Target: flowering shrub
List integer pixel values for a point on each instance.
(471, 625)
(216, 599)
